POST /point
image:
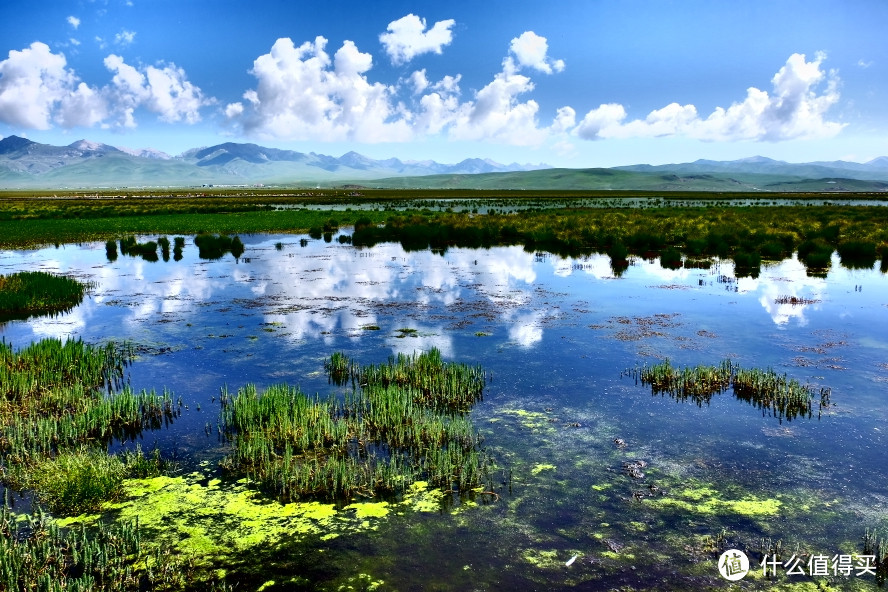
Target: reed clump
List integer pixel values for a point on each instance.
(402, 421)
(147, 251)
(212, 246)
(877, 547)
(782, 397)
(59, 412)
(30, 293)
(35, 554)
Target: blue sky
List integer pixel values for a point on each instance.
(569, 83)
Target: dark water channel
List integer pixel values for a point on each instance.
(560, 416)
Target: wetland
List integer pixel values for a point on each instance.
(377, 399)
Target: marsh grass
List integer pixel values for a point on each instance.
(211, 246)
(147, 251)
(35, 554)
(402, 421)
(857, 254)
(111, 250)
(782, 397)
(875, 545)
(30, 293)
(58, 414)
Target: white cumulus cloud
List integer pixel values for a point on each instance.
(33, 82)
(304, 94)
(73, 21)
(37, 90)
(795, 109)
(531, 50)
(407, 38)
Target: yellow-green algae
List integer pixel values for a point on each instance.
(363, 582)
(540, 467)
(706, 500)
(533, 420)
(420, 498)
(202, 519)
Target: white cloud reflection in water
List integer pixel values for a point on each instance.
(325, 290)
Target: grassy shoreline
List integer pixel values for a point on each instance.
(32, 222)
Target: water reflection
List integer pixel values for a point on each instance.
(556, 333)
(321, 289)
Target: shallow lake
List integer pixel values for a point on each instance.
(562, 415)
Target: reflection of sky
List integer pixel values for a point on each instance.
(316, 291)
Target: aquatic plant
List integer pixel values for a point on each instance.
(212, 246)
(111, 251)
(77, 481)
(670, 258)
(779, 395)
(401, 422)
(35, 554)
(877, 547)
(164, 243)
(857, 254)
(58, 414)
(147, 251)
(29, 293)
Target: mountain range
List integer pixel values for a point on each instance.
(25, 164)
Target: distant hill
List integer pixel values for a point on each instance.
(83, 164)
(624, 180)
(28, 164)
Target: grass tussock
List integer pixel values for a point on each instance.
(30, 293)
(59, 412)
(38, 555)
(782, 397)
(212, 246)
(402, 421)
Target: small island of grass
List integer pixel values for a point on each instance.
(33, 293)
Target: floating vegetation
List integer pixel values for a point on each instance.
(783, 397)
(56, 420)
(29, 293)
(402, 422)
(795, 300)
(211, 246)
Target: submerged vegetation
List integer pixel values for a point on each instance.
(402, 422)
(30, 293)
(783, 397)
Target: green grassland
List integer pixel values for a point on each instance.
(560, 222)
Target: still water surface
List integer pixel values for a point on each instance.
(560, 416)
